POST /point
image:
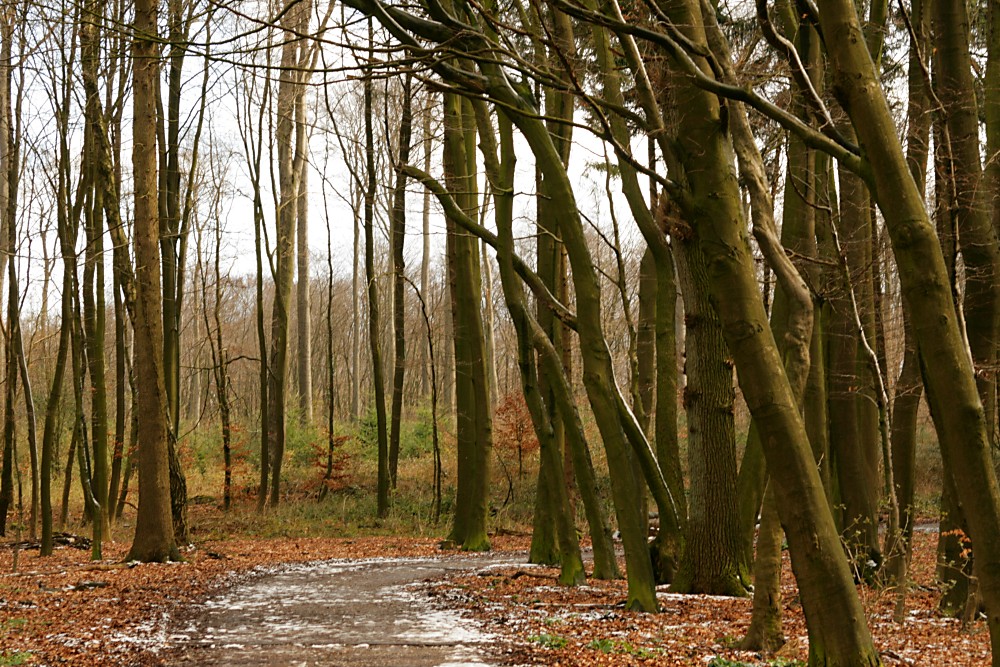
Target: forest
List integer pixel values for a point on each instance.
(696, 302)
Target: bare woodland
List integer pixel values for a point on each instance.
(705, 278)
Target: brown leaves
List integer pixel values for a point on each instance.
(57, 610)
(55, 613)
(587, 626)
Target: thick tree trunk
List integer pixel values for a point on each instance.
(712, 561)
(474, 427)
(838, 635)
(154, 535)
(948, 376)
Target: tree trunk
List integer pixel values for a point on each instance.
(764, 633)
(290, 140)
(397, 236)
(154, 536)
(502, 181)
(356, 316)
(425, 257)
(949, 379)
(909, 386)
(303, 317)
(848, 424)
(551, 265)
(474, 427)
(374, 333)
(712, 561)
(646, 340)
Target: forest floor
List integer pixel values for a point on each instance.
(69, 610)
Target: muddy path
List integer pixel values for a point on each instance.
(366, 613)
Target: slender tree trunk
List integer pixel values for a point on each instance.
(666, 547)
(551, 267)
(848, 418)
(397, 239)
(501, 173)
(356, 320)
(765, 633)
(94, 312)
(52, 426)
(303, 309)
(425, 258)
(646, 340)
(7, 225)
(374, 333)
(290, 140)
(10, 396)
(118, 450)
(909, 386)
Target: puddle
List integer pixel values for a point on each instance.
(371, 613)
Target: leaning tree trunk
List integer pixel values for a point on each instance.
(501, 174)
(551, 265)
(793, 323)
(952, 393)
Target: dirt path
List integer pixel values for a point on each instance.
(368, 613)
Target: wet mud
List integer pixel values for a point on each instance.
(369, 613)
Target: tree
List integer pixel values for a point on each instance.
(397, 236)
(291, 138)
(472, 403)
(154, 535)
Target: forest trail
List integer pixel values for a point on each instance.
(364, 613)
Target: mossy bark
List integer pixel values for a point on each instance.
(835, 619)
(949, 379)
(765, 633)
(474, 426)
(556, 506)
(551, 266)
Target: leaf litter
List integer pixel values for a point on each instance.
(66, 609)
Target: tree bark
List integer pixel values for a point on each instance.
(154, 535)
(474, 426)
(290, 140)
(397, 234)
(948, 376)
(712, 561)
